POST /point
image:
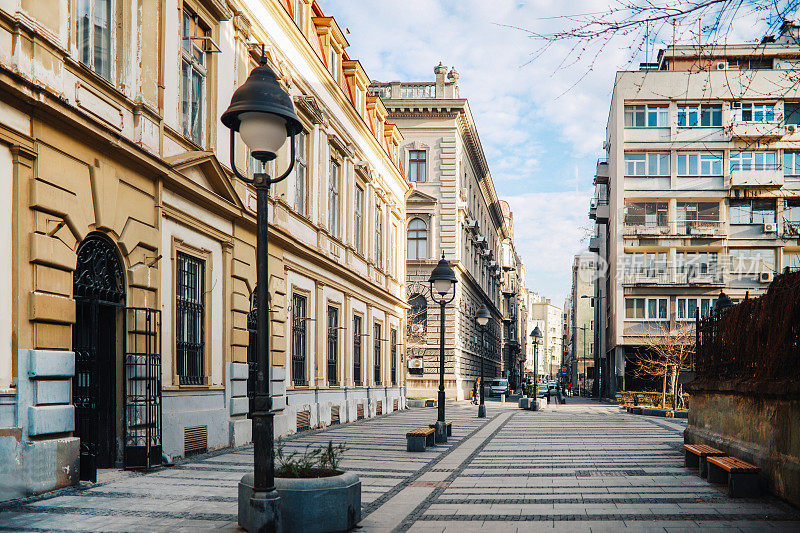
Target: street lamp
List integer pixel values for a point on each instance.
(263, 114)
(723, 302)
(536, 338)
(442, 280)
(482, 317)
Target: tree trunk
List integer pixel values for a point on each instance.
(664, 388)
(676, 375)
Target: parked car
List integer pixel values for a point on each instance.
(498, 387)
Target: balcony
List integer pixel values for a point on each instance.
(767, 130)
(703, 228)
(601, 174)
(594, 244)
(696, 229)
(771, 177)
(644, 230)
(671, 276)
(599, 210)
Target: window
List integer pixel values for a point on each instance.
(753, 112)
(417, 315)
(791, 213)
(646, 308)
(647, 164)
(378, 238)
(753, 161)
(749, 262)
(393, 352)
(193, 75)
(417, 161)
(752, 211)
(791, 164)
(692, 264)
(646, 116)
(689, 212)
(333, 199)
(299, 14)
(334, 62)
(377, 362)
(792, 261)
(646, 213)
(417, 239)
(333, 344)
(791, 112)
(686, 308)
(699, 164)
(94, 34)
(358, 220)
(391, 249)
(357, 334)
(190, 313)
(646, 264)
(301, 171)
(702, 115)
(299, 346)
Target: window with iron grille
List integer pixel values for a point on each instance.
(190, 319)
(357, 350)
(377, 361)
(333, 344)
(298, 339)
(393, 352)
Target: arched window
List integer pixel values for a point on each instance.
(418, 314)
(417, 239)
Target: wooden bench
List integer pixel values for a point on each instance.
(696, 455)
(742, 478)
(449, 427)
(417, 440)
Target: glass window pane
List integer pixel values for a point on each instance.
(662, 308)
(198, 88)
(691, 307)
(651, 308)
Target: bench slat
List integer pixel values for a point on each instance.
(733, 465)
(421, 432)
(703, 450)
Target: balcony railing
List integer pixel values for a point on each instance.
(675, 276)
(762, 176)
(768, 129)
(693, 228)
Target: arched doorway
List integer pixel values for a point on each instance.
(98, 342)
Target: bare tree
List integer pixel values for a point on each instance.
(668, 350)
(417, 319)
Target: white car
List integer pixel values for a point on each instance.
(498, 387)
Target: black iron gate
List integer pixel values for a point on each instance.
(142, 442)
(99, 291)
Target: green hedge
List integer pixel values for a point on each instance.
(647, 398)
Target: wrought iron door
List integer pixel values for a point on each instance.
(99, 290)
(142, 440)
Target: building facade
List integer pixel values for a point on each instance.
(703, 188)
(582, 322)
(549, 318)
(128, 247)
(453, 212)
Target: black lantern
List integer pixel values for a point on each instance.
(442, 280)
(723, 302)
(263, 114)
(482, 317)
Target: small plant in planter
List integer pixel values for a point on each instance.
(316, 495)
(317, 462)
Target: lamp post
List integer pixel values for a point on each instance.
(482, 317)
(442, 280)
(536, 338)
(263, 114)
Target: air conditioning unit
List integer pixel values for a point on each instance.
(770, 227)
(722, 65)
(766, 277)
(415, 363)
(472, 224)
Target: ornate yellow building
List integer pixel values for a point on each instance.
(127, 250)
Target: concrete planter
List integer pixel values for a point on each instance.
(315, 505)
(525, 403)
(320, 505)
(416, 403)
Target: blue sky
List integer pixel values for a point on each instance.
(542, 132)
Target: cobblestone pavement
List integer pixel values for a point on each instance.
(580, 467)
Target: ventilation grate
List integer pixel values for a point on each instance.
(334, 414)
(379, 408)
(395, 406)
(360, 411)
(195, 440)
(303, 420)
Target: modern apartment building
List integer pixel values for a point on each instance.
(549, 318)
(581, 363)
(453, 211)
(702, 183)
(127, 248)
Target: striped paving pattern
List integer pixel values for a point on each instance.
(580, 467)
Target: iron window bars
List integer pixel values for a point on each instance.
(190, 319)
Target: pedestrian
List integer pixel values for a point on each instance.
(475, 391)
(680, 396)
(569, 389)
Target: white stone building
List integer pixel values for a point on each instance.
(549, 318)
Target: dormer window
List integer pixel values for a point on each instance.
(333, 63)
